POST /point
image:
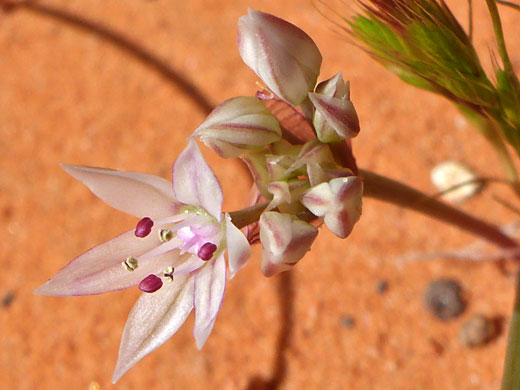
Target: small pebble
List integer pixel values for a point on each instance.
(348, 321)
(382, 286)
(8, 299)
(449, 174)
(443, 298)
(476, 331)
(94, 386)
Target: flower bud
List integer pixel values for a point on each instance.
(335, 87)
(277, 166)
(335, 117)
(312, 152)
(239, 124)
(281, 194)
(285, 240)
(284, 57)
(258, 169)
(338, 202)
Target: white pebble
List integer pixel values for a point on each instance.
(449, 174)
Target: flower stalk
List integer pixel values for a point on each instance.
(391, 191)
(511, 374)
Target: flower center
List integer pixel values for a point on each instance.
(194, 231)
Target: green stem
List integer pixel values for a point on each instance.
(391, 191)
(511, 374)
(502, 49)
(499, 34)
(497, 142)
(491, 132)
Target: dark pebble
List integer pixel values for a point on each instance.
(476, 331)
(382, 286)
(8, 299)
(348, 321)
(443, 298)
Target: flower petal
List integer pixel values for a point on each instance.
(153, 320)
(134, 193)
(285, 240)
(318, 199)
(335, 87)
(237, 125)
(194, 183)
(339, 201)
(210, 284)
(99, 270)
(281, 54)
(275, 232)
(238, 247)
(281, 194)
(340, 114)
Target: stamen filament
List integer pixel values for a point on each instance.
(163, 248)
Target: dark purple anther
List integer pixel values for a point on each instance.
(150, 284)
(144, 227)
(206, 251)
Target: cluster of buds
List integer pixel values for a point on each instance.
(295, 138)
(288, 135)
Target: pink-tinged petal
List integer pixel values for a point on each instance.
(282, 55)
(318, 199)
(348, 192)
(258, 169)
(277, 166)
(335, 87)
(316, 174)
(237, 246)
(134, 193)
(338, 201)
(100, 269)
(194, 183)
(281, 194)
(210, 284)
(337, 113)
(282, 248)
(275, 232)
(237, 125)
(153, 320)
(312, 151)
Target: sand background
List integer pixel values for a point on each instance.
(69, 94)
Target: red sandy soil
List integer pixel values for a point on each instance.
(70, 95)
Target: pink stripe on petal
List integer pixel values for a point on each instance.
(210, 284)
(134, 193)
(99, 270)
(153, 320)
(194, 183)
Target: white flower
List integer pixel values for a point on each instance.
(175, 254)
